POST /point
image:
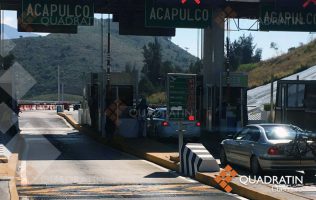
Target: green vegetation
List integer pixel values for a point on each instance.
(6, 61)
(81, 53)
(158, 98)
(296, 60)
(53, 97)
(155, 71)
(247, 67)
(267, 107)
(243, 51)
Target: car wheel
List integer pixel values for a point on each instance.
(310, 173)
(222, 157)
(255, 167)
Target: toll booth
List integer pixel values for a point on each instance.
(226, 110)
(120, 104)
(89, 115)
(118, 101)
(296, 103)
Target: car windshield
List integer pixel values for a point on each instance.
(279, 132)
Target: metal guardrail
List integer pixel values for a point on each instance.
(256, 114)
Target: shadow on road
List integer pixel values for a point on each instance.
(161, 175)
(70, 146)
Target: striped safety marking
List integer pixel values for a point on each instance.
(116, 191)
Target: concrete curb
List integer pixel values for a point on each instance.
(250, 192)
(70, 120)
(12, 167)
(8, 173)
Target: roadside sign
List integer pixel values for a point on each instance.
(287, 19)
(159, 14)
(235, 79)
(181, 96)
(58, 12)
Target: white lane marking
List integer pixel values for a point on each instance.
(46, 129)
(172, 172)
(237, 196)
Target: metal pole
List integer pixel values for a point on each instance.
(271, 100)
(136, 85)
(242, 107)
(108, 70)
(103, 115)
(62, 92)
(1, 35)
(109, 52)
(58, 83)
(180, 135)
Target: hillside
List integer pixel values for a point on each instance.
(12, 33)
(81, 53)
(296, 60)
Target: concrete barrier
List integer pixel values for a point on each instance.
(196, 158)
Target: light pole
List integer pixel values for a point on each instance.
(274, 46)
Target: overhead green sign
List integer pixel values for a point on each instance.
(181, 16)
(181, 96)
(58, 12)
(272, 19)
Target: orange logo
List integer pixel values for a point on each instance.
(225, 177)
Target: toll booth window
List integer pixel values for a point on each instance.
(295, 95)
(279, 97)
(310, 98)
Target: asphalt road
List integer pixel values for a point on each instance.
(58, 163)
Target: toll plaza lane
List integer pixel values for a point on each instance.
(59, 162)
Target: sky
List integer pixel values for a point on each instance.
(190, 39)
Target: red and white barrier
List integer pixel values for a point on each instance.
(26, 107)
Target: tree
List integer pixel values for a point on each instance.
(7, 61)
(128, 67)
(152, 61)
(275, 47)
(257, 56)
(145, 86)
(196, 68)
(166, 67)
(243, 51)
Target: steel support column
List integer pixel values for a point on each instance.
(213, 63)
